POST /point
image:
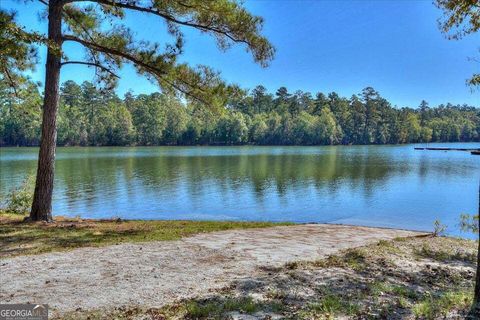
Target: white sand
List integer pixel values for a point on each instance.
(157, 273)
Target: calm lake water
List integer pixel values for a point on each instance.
(391, 186)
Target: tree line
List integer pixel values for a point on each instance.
(92, 117)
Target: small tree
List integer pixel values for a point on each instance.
(96, 26)
(19, 200)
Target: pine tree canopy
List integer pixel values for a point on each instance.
(460, 18)
(98, 26)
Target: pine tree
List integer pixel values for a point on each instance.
(74, 21)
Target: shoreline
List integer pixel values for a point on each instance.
(238, 272)
(252, 145)
(177, 269)
(72, 230)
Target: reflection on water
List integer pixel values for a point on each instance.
(372, 185)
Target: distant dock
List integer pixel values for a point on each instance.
(474, 151)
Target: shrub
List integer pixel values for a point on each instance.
(469, 223)
(439, 228)
(20, 199)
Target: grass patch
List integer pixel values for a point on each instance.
(378, 288)
(434, 307)
(20, 238)
(330, 306)
(445, 255)
(216, 309)
(388, 246)
(352, 258)
(355, 258)
(212, 309)
(405, 292)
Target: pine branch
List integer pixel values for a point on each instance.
(87, 33)
(151, 69)
(93, 64)
(13, 85)
(130, 6)
(107, 50)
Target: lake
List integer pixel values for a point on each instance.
(389, 186)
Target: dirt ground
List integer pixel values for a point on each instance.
(160, 273)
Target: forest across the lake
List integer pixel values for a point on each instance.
(89, 116)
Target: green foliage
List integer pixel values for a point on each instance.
(20, 115)
(17, 51)
(232, 129)
(355, 258)
(438, 228)
(68, 233)
(428, 252)
(435, 307)
(216, 309)
(19, 200)
(469, 223)
(176, 120)
(108, 43)
(108, 49)
(88, 116)
(332, 305)
(460, 18)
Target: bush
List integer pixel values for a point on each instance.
(469, 223)
(19, 200)
(438, 228)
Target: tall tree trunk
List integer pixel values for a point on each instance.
(42, 199)
(475, 312)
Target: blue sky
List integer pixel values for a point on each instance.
(322, 46)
